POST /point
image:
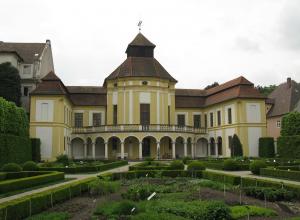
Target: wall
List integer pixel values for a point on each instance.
(272, 129)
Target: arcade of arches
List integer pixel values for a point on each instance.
(134, 148)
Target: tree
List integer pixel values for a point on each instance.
(290, 124)
(236, 147)
(266, 90)
(212, 85)
(10, 83)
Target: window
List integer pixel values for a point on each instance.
(219, 117)
(211, 119)
(96, 119)
(78, 120)
(197, 121)
(181, 120)
(27, 69)
(145, 114)
(229, 116)
(115, 115)
(44, 110)
(205, 120)
(145, 83)
(278, 123)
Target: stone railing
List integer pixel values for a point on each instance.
(138, 128)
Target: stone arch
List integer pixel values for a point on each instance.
(166, 147)
(99, 148)
(114, 147)
(77, 148)
(220, 147)
(179, 147)
(201, 148)
(131, 147)
(149, 147)
(212, 146)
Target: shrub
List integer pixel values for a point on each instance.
(101, 187)
(176, 165)
(50, 216)
(289, 146)
(11, 167)
(266, 147)
(256, 165)
(63, 158)
(231, 165)
(112, 210)
(30, 166)
(149, 160)
(236, 146)
(290, 124)
(36, 149)
(185, 160)
(139, 192)
(196, 166)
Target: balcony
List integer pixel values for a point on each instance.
(138, 128)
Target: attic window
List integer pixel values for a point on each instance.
(115, 84)
(145, 83)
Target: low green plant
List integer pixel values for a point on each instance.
(176, 165)
(238, 212)
(256, 165)
(149, 160)
(231, 165)
(12, 167)
(186, 159)
(50, 216)
(196, 166)
(113, 210)
(271, 194)
(30, 166)
(102, 187)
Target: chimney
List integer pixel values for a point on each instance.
(289, 82)
(48, 42)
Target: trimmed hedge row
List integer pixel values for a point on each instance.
(22, 183)
(284, 174)
(85, 169)
(220, 166)
(295, 168)
(153, 173)
(221, 177)
(132, 168)
(24, 174)
(33, 204)
(2, 176)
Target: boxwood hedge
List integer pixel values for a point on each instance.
(284, 174)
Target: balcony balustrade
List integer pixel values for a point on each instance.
(138, 128)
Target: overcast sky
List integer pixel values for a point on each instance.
(198, 42)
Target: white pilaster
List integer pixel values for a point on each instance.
(193, 149)
(173, 150)
(141, 150)
(93, 151)
(158, 150)
(106, 150)
(185, 148)
(122, 150)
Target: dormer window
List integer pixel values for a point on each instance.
(145, 83)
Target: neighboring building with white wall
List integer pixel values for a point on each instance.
(33, 60)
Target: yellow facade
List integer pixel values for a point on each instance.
(52, 119)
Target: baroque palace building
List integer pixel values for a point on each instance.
(138, 113)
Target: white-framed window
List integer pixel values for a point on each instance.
(278, 124)
(44, 111)
(27, 69)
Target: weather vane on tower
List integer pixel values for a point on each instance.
(140, 26)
